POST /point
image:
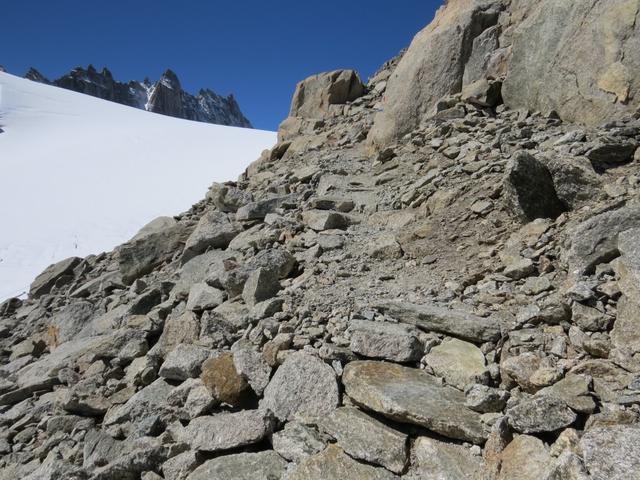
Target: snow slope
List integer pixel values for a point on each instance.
(80, 175)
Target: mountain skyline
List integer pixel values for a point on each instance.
(255, 50)
(164, 96)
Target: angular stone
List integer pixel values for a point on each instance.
(100, 449)
(611, 154)
(132, 464)
(258, 210)
(522, 369)
(519, 268)
(266, 465)
(483, 399)
(314, 95)
(151, 399)
(199, 401)
(180, 466)
(320, 220)
(431, 318)
(334, 464)
(184, 361)
(327, 202)
(612, 452)
(297, 442)
(262, 284)
(529, 191)
(303, 385)
(390, 341)
(541, 413)
(628, 266)
(139, 257)
(440, 460)
(410, 395)
(69, 321)
(178, 328)
(590, 319)
(224, 382)
(228, 198)
(525, 458)
(252, 367)
(595, 241)
(203, 297)
(367, 439)
(574, 390)
(53, 274)
(228, 430)
(458, 362)
(214, 230)
(205, 268)
(385, 247)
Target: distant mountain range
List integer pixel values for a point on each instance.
(165, 96)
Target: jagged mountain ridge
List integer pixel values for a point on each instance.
(165, 96)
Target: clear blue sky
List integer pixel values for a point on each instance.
(257, 50)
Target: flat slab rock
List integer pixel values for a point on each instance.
(433, 318)
(367, 439)
(334, 464)
(410, 395)
(266, 465)
(303, 385)
(228, 430)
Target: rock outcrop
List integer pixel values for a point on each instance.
(165, 96)
(541, 55)
(461, 303)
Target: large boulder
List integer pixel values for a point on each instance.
(529, 192)
(303, 385)
(433, 66)
(314, 95)
(580, 59)
(214, 230)
(56, 274)
(410, 395)
(144, 252)
(367, 439)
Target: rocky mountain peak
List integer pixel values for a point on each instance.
(417, 281)
(170, 80)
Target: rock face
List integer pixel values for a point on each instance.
(165, 96)
(339, 312)
(581, 90)
(543, 52)
(434, 64)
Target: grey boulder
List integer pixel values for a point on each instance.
(410, 395)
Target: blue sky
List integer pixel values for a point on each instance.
(257, 50)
